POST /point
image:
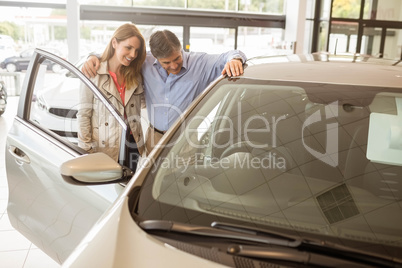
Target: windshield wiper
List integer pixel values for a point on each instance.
(297, 250)
(313, 251)
(256, 232)
(170, 226)
(291, 255)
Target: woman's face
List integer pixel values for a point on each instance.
(127, 50)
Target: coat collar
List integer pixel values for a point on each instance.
(108, 85)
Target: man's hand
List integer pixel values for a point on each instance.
(233, 67)
(90, 66)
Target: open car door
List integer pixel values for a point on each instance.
(52, 213)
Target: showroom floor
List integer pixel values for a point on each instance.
(15, 250)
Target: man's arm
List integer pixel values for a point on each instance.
(233, 67)
(234, 63)
(91, 66)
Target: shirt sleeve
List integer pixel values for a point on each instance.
(216, 64)
(212, 64)
(236, 54)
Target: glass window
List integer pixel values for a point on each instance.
(349, 9)
(383, 10)
(229, 5)
(392, 49)
(343, 37)
(371, 41)
(42, 1)
(159, 3)
(211, 40)
(23, 25)
(106, 2)
(257, 41)
(55, 101)
(96, 34)
(369, 10)
(58, 105)
(262, 6)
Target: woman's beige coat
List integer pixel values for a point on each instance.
(98, 130)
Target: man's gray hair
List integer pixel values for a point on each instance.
(163, 44)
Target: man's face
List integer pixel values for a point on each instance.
(173, 63)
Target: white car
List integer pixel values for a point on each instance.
(55, 106)
(6, 50)
(296, 163)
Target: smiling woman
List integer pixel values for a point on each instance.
(121, 63)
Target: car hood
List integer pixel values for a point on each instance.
(117, 241)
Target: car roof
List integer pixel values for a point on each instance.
(329, 70)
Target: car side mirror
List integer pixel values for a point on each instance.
(96, 168)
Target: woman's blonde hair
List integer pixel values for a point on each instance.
(132, 73)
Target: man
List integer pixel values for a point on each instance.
(173, 78)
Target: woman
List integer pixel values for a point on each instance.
(119, 79)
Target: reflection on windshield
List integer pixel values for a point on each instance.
(283, 155)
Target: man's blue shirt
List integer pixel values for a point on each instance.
(168, 96)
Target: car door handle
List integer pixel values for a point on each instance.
(19, 155)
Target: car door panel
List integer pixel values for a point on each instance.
(50, 212)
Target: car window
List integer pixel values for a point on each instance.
(58, 105)
(337, 146)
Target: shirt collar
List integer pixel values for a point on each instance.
(185, 58)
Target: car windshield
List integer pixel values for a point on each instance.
(317, 159)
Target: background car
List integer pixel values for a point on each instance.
(6, 51)
(3, 97)
(55, 105)
(20, 62)
(296, 163)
